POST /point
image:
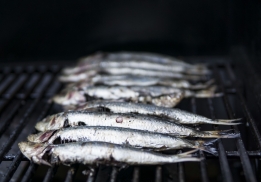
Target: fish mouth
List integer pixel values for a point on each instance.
(30, 149)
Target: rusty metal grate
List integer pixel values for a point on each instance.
(24, 94)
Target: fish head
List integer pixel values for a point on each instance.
(69, 96)
(30, 149)
(52, 122)
(41, 136)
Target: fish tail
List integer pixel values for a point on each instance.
(203, 85)
(228, 121)
(218, 134)
(187, 157)
(206, 146)
(207, 93)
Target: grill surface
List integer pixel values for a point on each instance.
(25, 91)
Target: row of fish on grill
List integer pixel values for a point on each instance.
(118, 109)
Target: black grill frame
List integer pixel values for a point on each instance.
(12, 77)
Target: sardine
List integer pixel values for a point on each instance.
(137, 64)
(123, 136)
(97, 153)
(128, 71)
(177, 115)
(85, 63)
(131, 121)
(132, 80)
(158, 95)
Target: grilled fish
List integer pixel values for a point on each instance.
(97, 153)
(123, 136)
(177, 115)
(157, 95)
(131, 121)
(146, 65)
(128, 57)
(131, 80)
(85, 75)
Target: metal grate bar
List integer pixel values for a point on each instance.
(92, 174)
(17, 86)
(114, 173)
(203, 168)
(13, 167)
(225, 170)
(240, 146)
(6, 83)
(22, 123)
(30, 172)
(50, 173)
(45, 109)
(6, 121)
(244, 106)
(71, 173)
(181, 172)
(136, 173)
(158, 177)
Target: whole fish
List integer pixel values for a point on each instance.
(131, 121)
(135, 56)
(81, 76)
(123, 136)
(157, 95)
(177, 115)
(131, 80)
(146, 65)
(97, 153)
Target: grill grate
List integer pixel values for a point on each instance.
(25, 91)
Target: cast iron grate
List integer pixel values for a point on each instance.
(24, 94)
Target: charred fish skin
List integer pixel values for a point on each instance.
(102, 153)
(131, 121)
(175, 114)
(122, 136)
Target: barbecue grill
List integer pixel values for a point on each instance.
(25, 90)
(69, 29)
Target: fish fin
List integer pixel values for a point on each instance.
(207, 93)
(203, 85)
(219, 134)
(207, 146)
(39, 160)
(186, 156)
(228, 121)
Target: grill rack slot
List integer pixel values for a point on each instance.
(15, 79)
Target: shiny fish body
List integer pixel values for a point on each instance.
(131, 80)
(146, 65)
(98, 153)
(177, 115)
(135, 138)
(127, 71)
(152, 57)
(157, 95)
(131, 121)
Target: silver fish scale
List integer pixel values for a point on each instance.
(92, 153)
(141, 65)
(129, 121)
(111, 92)
(136, 138)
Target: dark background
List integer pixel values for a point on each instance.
(64, 30)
